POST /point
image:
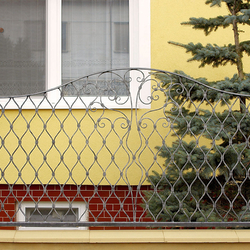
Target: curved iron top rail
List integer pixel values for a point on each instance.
(152, 70)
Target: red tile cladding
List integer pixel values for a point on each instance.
(104, 201)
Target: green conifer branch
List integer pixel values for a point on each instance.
(208, 25)
(243, 4)
(212, 24)
(210, 54)
(214, 2)
(245, 47)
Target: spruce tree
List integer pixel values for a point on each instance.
(207, 179)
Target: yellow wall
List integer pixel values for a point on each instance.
(71, 170)
(166, 16)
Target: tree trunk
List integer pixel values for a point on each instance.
(238, 49)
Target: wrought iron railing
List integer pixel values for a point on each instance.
(125, 148)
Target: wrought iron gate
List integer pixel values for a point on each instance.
(125, 148)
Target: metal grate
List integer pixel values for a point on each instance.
(150, 155)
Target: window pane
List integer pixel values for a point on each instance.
(51, 215)
(94, 33)
(121, 38)
(22, 46)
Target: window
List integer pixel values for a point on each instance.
(22, 46)
(48, 42)
(51, 212)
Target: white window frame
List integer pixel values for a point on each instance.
(21, 208)
(139, 54)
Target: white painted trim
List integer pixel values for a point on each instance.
(144, 34)
(53, 45)
(140, 41)
(139, 24)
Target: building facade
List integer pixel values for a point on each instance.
(62, 157)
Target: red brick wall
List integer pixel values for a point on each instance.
(10, 195)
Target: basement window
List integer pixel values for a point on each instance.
(51, 212)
